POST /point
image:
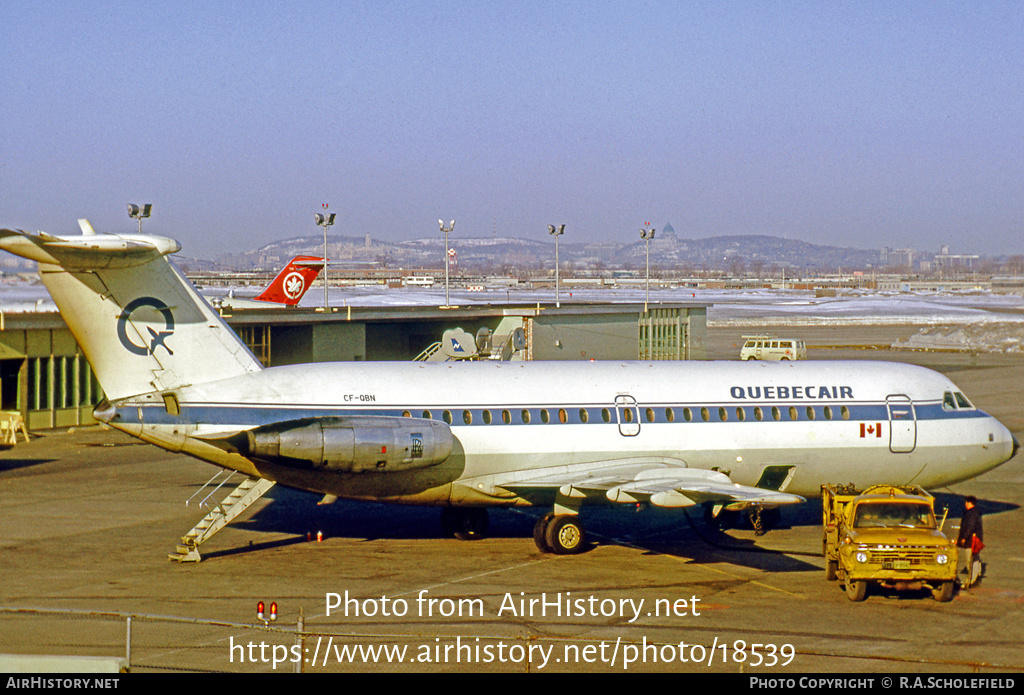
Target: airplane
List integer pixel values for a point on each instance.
(468, 436)
(287, 288)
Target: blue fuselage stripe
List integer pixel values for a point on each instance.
(573, 414)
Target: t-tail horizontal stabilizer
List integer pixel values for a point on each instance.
(141, 323)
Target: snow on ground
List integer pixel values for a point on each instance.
(976, 321)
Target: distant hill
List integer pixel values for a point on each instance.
(736, 253)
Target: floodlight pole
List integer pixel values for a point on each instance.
(556, 232)
(446, 231)
(646, 233)
(325, 220)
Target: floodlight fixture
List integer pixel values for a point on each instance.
(139, 212)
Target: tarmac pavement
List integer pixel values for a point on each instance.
(87, 518)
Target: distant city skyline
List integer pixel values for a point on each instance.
(862, 125)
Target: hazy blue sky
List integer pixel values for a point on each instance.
(857, 124)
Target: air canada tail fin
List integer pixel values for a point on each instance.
(141, 323)
(292, 282)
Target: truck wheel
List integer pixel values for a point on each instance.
(944, 592)
(831, 570)
(856, 591)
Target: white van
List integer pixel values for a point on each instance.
(772, 347)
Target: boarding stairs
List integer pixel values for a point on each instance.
(237, 501)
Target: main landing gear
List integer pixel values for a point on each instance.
(561, 534)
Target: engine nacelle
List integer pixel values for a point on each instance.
(355, 444)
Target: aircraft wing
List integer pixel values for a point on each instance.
(661, 482)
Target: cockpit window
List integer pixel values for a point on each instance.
(954, 400)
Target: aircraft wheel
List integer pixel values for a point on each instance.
(466, 524)
(856, 591)
(944, 592)
(565, 535)
(540, 529)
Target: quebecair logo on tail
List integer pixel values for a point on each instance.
(157, 337)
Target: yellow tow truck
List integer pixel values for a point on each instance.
(887, 536)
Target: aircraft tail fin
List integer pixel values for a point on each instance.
(292, 282)
(141, 324)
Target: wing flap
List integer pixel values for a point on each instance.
(661, 482)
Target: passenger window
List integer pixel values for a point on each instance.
(845, 412)
(544, 416)
(447, 415)
(741, 414)
(793, 413)
(810, 413)
(828, 412)
(506, 417)
(406, 413)
(606, 415)
(687, 414)
(426, 414)
(487, 417)
(758, 414)
(723, 414)
(776, 414)
(704, 414)
(584, 416)
(670, 415)
(467, 417)
(563, 417)
(525, 414)
(650, 415)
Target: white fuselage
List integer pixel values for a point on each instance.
(795, 425)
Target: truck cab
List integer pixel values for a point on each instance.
(886, 536)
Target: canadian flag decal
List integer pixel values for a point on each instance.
(867, 430)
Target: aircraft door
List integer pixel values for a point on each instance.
(902, 424)
(628, 415)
